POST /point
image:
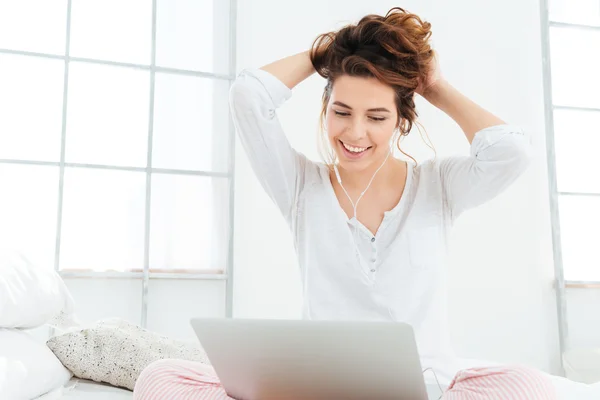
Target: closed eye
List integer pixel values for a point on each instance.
(340, 113)
(345, 114)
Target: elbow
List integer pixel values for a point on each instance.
(239, 93)
(246, 90)
(522, 152)
(248, 93)
(512, 144)
(507, 151)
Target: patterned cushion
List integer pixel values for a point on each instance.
(115, 351)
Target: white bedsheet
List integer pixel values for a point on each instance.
(85, 390)
(78, 389)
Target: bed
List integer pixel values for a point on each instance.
(80, 389)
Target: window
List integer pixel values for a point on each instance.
(576, 101)
(574, 62)
(571, 39)
(115, 138)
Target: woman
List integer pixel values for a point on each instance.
(370, 229)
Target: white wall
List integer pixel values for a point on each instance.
(583, 317)
(501, 303)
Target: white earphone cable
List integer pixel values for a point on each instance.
(357, 250)
(355, 206)
(436, 380)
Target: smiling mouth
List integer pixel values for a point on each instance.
(355, 149)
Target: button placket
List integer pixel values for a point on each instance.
(373, 255)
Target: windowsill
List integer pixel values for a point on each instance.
(582, 284)
(155, 273)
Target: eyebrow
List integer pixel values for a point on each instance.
(379, 109)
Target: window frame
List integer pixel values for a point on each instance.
(560, 283)
(146, 274)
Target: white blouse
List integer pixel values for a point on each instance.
(401, 274)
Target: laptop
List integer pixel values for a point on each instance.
(319, 360)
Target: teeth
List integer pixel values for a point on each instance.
(354, 149)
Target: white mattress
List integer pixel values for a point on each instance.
(78, 389)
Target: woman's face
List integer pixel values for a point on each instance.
(361, 118)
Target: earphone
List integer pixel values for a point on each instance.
(355, 207)
(357, 250)
(436, 381)
(359, 256)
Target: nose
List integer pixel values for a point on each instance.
(357, 130)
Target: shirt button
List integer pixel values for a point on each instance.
(373, 270)
(372, 240)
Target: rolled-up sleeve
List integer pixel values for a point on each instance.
(254, 98)
(499, 155)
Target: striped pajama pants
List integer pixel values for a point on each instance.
(186, 380)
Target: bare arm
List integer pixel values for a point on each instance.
(499, 152)
(469, 116)
(291, 70)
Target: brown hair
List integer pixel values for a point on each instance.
(393, 48)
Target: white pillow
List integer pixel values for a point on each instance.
(30, 295)
(28, 368)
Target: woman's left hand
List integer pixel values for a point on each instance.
(433, 77)
(471, 117)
